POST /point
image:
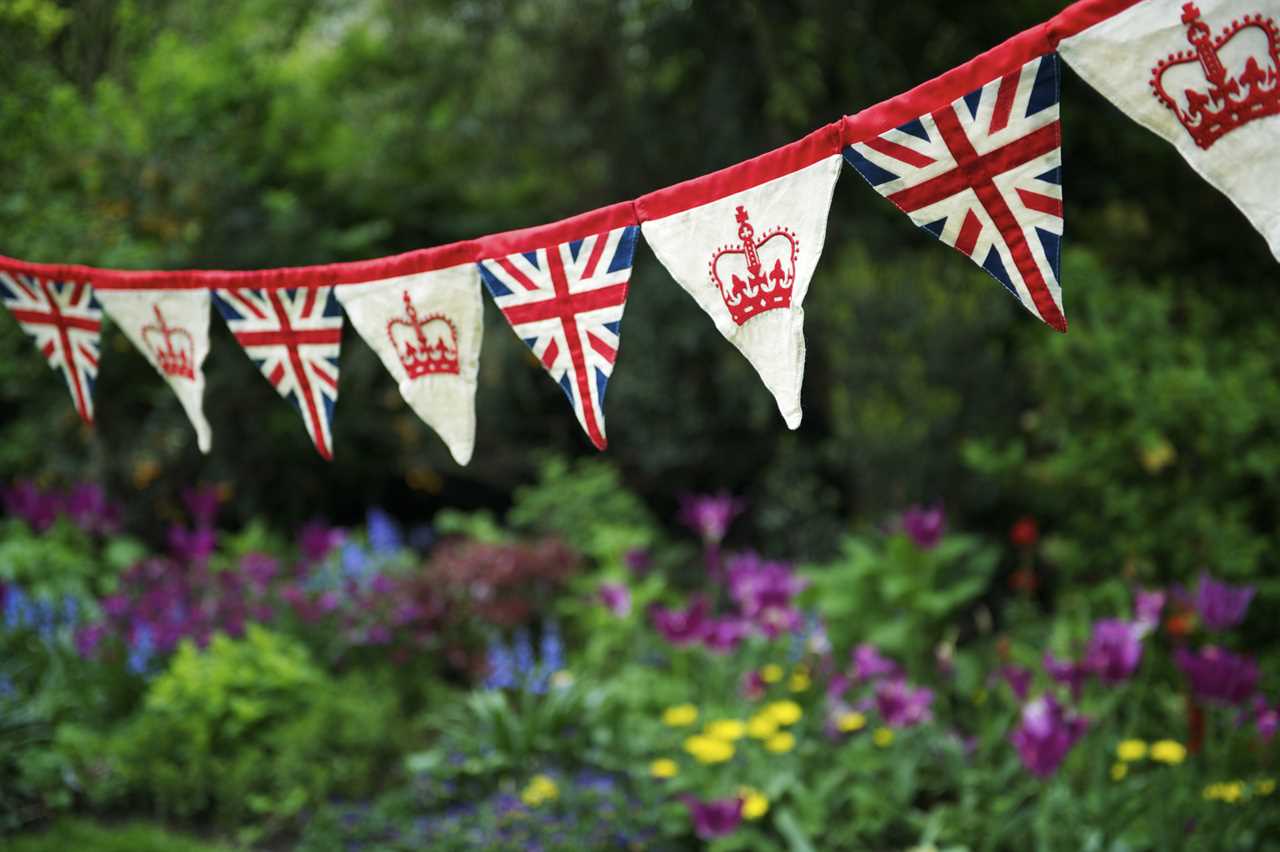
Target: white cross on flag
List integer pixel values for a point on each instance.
(744, 243)
(171, 330)
(426, 329)
(1206, 77)
(65, 321)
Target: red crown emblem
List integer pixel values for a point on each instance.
(1224, 82)
(757, 275)
(171, 346)
(427, 345)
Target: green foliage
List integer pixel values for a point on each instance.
(247, 731)
(62, 560)
(1152, 442)
(81, 834)
(888, 591)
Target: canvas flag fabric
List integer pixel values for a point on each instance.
(1206, 77)
(171, 330)
(426, 328)
(983, 174)
(294, 336)
(65, 321)
(565, 301)
(744, 243)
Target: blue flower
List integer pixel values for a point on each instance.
(354, 561)
(141, 650)
(502, 667)
(384, 532)
(523, 650)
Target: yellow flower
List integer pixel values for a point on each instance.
(1225, 791)
(761, 726)
(1168, 751)
(1119, 770)
(799, 682)
(781, 742)
(708, 749)
(850, 722)
(784, 712)
(754, 803)
(680, 715)
(772, 673)
(883, 737)
(726, 729)
(664, 767)
(1265, 786)
(562, 679)
(1131, 750)
(539, 790)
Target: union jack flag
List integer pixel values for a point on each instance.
(984, 174)
(65, 320)
(294, 336)
(565, 302)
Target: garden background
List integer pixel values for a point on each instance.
(1003, 589)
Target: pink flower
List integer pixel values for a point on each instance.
(924, 526)
(901, 706)
(1068, 672)
(753, 686)
(1114, 650)
(1221, 606)
(317, 540)
(1019, 680)
(1045, 734)
(1266, 718)
(869, 663)
(710, 515)
(723, 635)
(616, 598)
(1147, 606)
(715, 818)
(763, 591)
(1216, 674)
(681, 627)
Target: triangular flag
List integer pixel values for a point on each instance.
(294, 336)
(426, 329)
(565, 302)
(65, 321)
(1206, 77)
(744, 243)
(171, 330)
(984, 174)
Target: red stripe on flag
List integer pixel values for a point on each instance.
(276, 375)
(48, 349)
(88, 356)
(1041, 203)
(597, 251)
(324, 376)
(969, 232)
(310, 303)
(569, 321)
(69, 366)
(22, 285)
(520, 277)
(606, 351)
(549, 354)
(246, 303)
(316, 426)
(24, 315)
(289, 337)
(570, 304)
(1004, 101)
(899, 152)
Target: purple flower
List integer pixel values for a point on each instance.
(1114, 650)
(87, 507)
(710, 515)
(202, 504)
(1045, 734)
(1266, 718)
(638, 560)
(1019, 680)
(88, 638)
(384, 532)
(1221, 606)
(317, 540)
(753, 686)
(616, 598)
(763, 591)
(192, 546)
(924, 526)
(1216, 674)
(1147, 606)
(716, 818)
(259, 568)
(869, 663)
(681, 627)
(1068, 672)
(901, 706)
(37, 507)
(723, 635)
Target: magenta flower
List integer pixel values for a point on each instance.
(901, 706)
(1216, 674)
(753, 686)
(763, 591)
(1114, 650)
(869, 663)
(716, 818)
(1067, 672)
(1221, 606)
(192, 546)
(38, 508)
(1266, 718)
(87, 507)
(924, 526)
(638, 560)
(1019, 680)
(1147, 606)
(616, 598)
(317, 540)
(710, 515)
(88, 638)
(723, 635)
(259, 568)
(681, 627)
(202, 504)
(1045, 733)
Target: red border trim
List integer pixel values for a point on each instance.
(982, 69)
(818, 145)
(824, 142)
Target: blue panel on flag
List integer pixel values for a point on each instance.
(574, 247)
(994, 265)
(873, 174)
(566, 387)
(1053, 176)
(972, 100)
(626, 249)
(1052, 244)
(935, 228)
(915, 128)
(495, 287)
(1044, 93)
(615, 327)
(601, 382)
(532, 257)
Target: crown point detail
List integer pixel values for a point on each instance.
(171, 347)
(425, 345)
(758, 274)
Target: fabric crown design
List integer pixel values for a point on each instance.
(177, 361)
(1224, 82)
(761, 286)
(425, 345)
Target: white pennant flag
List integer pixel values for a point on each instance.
(427, 328)
(1206, 77)
(171, 330)
(745, 247)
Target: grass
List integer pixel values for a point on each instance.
(86, 836)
